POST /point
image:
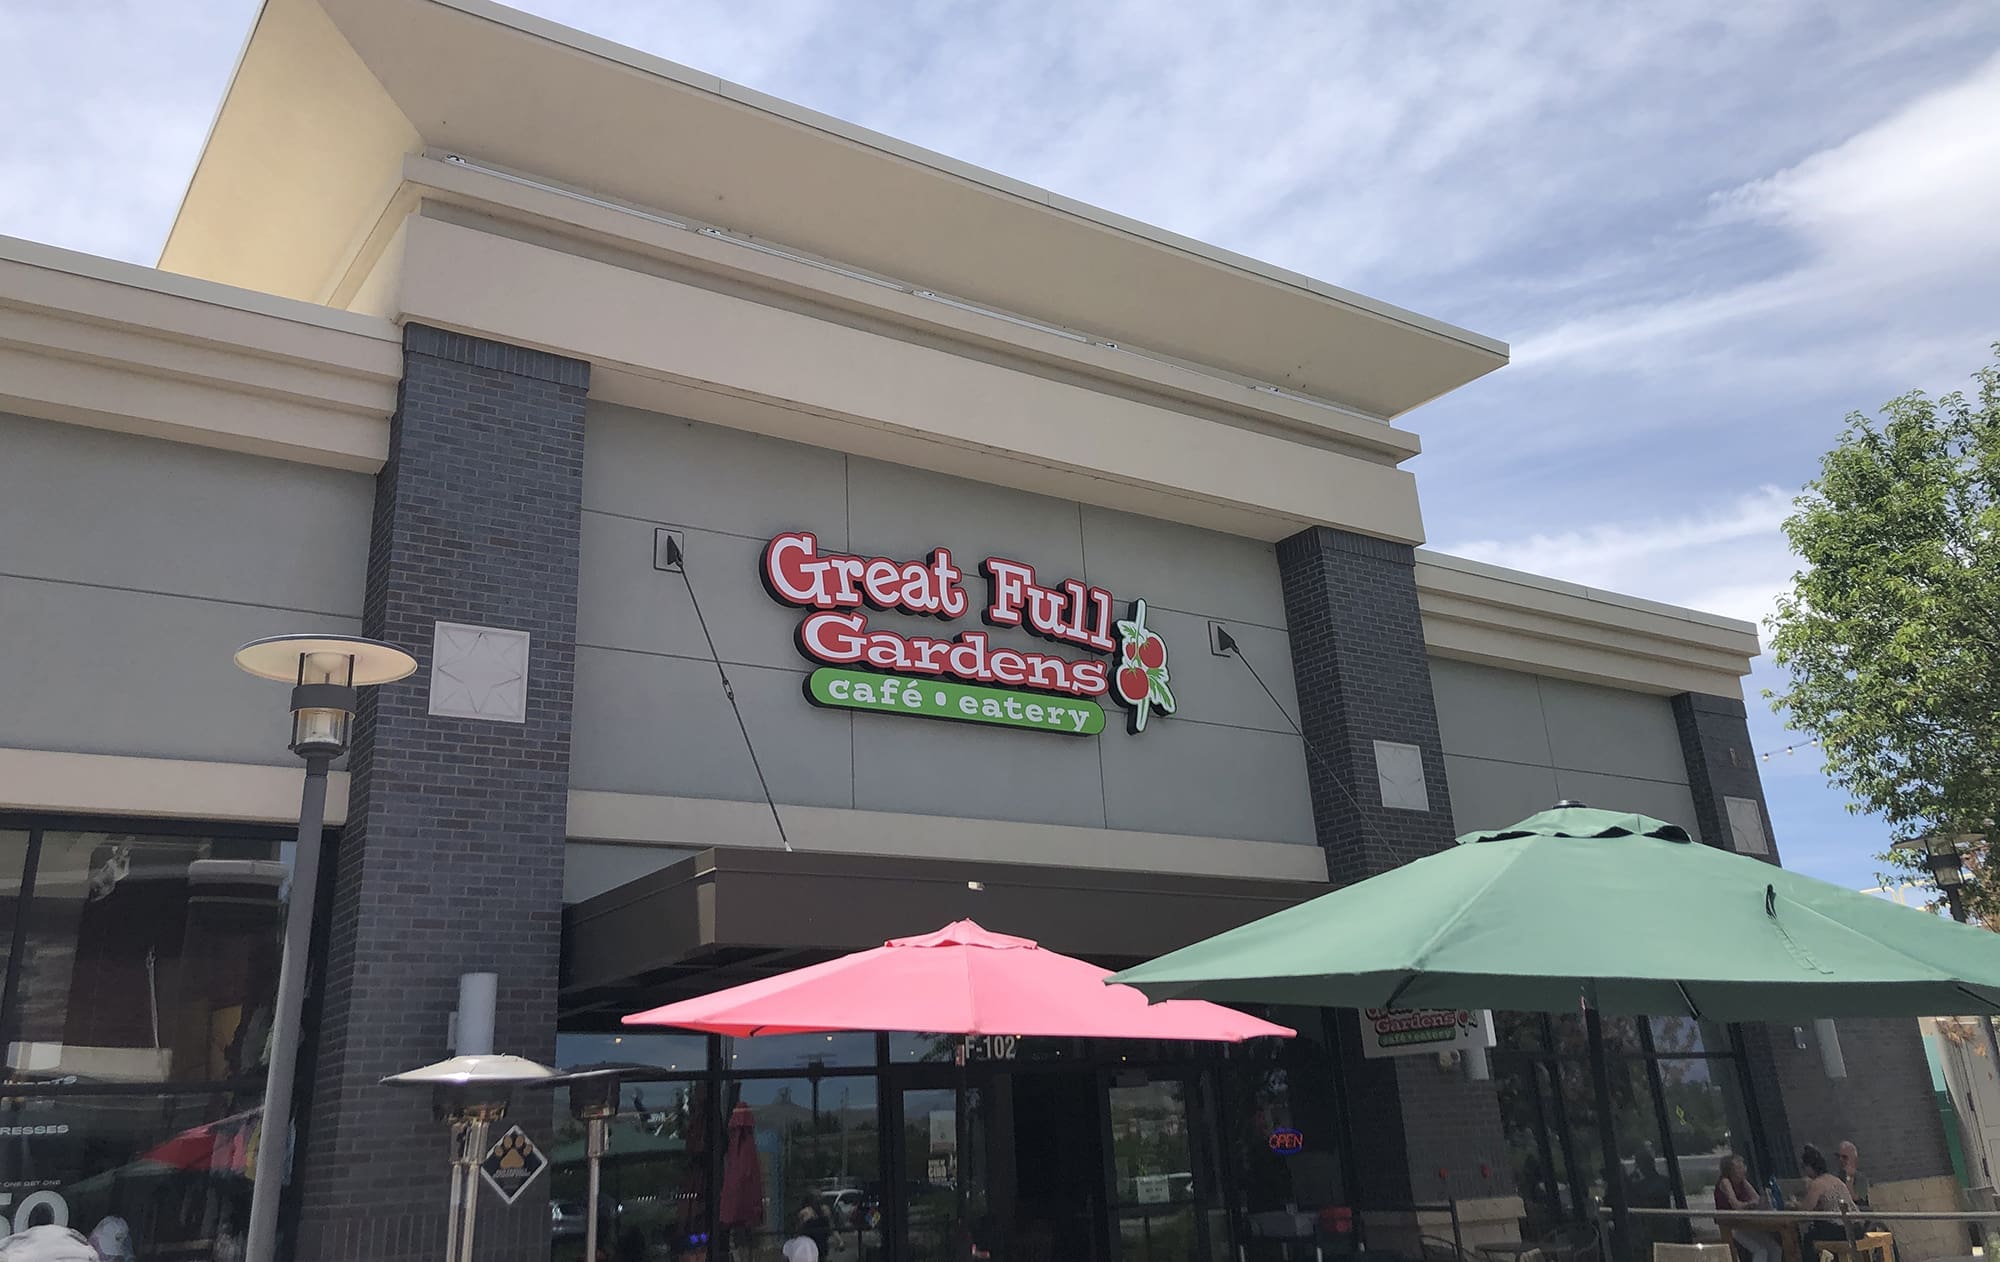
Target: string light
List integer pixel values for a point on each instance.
(1789, 749)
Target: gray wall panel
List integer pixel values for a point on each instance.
(1487, 713)
(1671, 802)
(1208, 780)
(669, 470)
(90, 506)
(589, 869)
(1517, 743)
(623, 602)
(1489, 794)
(1213, 689)
(1181, 567)
(94, 670)
(1592, 728)
(942, 768)
(655, 720)
(662, 725)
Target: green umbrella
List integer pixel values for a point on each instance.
(1619, 912)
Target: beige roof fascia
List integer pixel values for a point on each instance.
(314, 128)
(667, 346)
(1484, 613)
(543, 214)
(96, 342)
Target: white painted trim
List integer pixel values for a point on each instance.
(167, 788)
(697, 823)
(1482, 613)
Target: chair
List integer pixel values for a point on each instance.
(1869, 1246)
(1578, 1242)
(1438, 1249)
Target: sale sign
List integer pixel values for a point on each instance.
(965, 676)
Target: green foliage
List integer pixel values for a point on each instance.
(1891, 632)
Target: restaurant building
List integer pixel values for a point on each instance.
(806, 540)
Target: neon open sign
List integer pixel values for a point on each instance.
(1286, 1141)
(870, 667)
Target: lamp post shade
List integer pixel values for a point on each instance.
(279, 657)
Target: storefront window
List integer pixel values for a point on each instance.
(147, 959)
(800, 1156)
(674, 1053)
(140, 976)
(653, 1193)
(1280, 1127)
(1678, 1105)
(800, 1051)
(159, 1175)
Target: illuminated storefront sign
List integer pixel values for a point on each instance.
(965, 676)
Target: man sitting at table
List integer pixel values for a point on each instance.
(1733, 1191)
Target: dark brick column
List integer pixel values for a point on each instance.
(1721, 764)
(452, 858)
(1885, 1104)
(1420, 1133)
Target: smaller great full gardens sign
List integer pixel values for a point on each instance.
(862, 666)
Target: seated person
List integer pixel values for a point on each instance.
(1824, 1194)
(1734, 1191)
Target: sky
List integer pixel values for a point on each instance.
(1709, 230)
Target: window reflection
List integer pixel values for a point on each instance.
(653, 1191)
(801, 1156)
(169, 1175)
(147, 959)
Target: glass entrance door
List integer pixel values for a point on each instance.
(943, 1203)
(1164, 1197)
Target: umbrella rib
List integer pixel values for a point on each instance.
(1694, 1009)
(1408, 980)
(1978, 998)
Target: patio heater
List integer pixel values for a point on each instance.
(470, 1093)
(327, 673)
(593, 1100)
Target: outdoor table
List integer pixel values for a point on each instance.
(1514, 1250)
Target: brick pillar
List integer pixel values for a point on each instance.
(1885, 1104)
(1363, 677)
(452, 858)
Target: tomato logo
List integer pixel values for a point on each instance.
(1141, 681)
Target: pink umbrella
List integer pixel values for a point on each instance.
(960, 980)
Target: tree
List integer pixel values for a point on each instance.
(1891, 632)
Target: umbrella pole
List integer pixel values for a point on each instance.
(1614, 1170)
(959, 1155)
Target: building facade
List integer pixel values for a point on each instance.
(805, 540)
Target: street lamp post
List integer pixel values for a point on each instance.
(326, 673)
(1944, 856)
(470, 1093)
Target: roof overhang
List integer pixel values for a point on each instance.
(726, 915)
(305, 158)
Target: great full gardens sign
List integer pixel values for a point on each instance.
(965, 676)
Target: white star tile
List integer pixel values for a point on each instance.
(479, 673)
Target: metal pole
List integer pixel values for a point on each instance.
(457, 1192)
(274, 1145)
(475, 1145)
(1614, 1170)
(597, 1132)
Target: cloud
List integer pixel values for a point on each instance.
(1892, 223)
(1730, 559)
